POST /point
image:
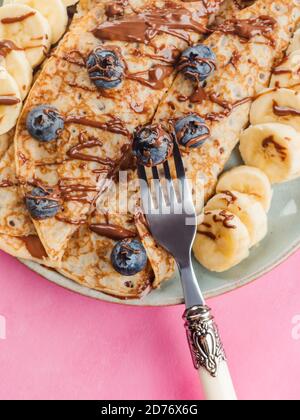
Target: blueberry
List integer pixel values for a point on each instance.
(198, 62)
(44, 123)
(41, 208)
(191, 131)
(152, 145)
(106, 69)
(129, 257)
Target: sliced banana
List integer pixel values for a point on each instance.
(10, 101)
(295, 44)
(28, 29)
(69, 3)
(280, 105)
(248, 210)
(287, 74)
(274, 148)
(248, 180)
(222, 241)
(17, 65)
(53, 10)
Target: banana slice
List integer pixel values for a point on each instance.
(295, 44)
(248, 180)
(248, 210)
(54, 11)
(274, 148)
(17, 65)
(280, 105)
(222, 241)
(69, 3)
(10, 101)
(287, 74)
(28, 29)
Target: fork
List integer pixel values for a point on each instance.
(167, 210)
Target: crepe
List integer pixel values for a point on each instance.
(244, 68)
(64, 83)
(87, 258)
(118, 215)
(5, 141)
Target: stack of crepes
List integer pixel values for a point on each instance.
(83, 165)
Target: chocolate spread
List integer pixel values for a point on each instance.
(281, 150)
(34, 246)
(154, 77)
(17, 19)
(284, 111)
(112, 231)
(6, 46)
(249, 28)
(115, 125)
(143, 27)
(9, 100)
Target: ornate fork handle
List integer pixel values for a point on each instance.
(203, 338)
(208, 353)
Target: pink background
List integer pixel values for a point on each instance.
(60, 345)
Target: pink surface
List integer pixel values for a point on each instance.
(63, 346)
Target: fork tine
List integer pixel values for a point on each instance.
(155, 172)
(180, 171)
(170, 184)
(184, 186)
(142, 173)
(178, 161)
(147, 200)
(158, 188)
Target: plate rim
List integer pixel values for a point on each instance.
(67, 284)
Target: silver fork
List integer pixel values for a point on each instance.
(167, 209)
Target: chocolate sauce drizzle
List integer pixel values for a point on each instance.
(281, 150)
(199, 95)
(9, 100)
(34, 246)
(284, 111)
(225, 218)
(115, 125)
(6, 46)
(115, 9)
(246, 29)
(112, 231)
(154, 77)
(17, 19)
(210, 235)
(6, 183)
(76, 151)
(143, 27)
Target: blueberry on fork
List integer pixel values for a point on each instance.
(129, 257)
(106, 69)
(152, 145)
(197, 62)
(39, 206)
(191, 131)
(44, 123)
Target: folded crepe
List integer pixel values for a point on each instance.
(246, 48)
(243, 69)
(98, 124)
(87, 259)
